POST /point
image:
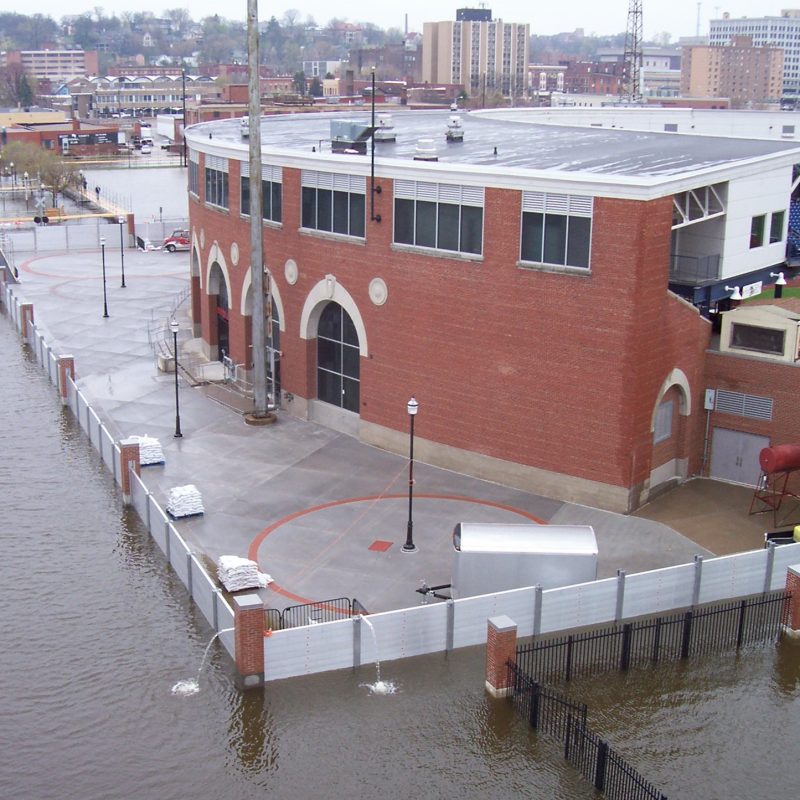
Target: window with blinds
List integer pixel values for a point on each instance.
(556, 229)
(271, 191)
(334, 203)
(439, 215)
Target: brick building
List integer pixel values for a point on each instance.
(738, 70)
(545, 292)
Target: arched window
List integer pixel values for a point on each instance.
(337, 359)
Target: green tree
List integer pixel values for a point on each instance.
(15, 86)
(299, 82)
(316, 87)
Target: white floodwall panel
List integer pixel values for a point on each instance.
(107, 449)
(404, 633)
(732, 576)
(224, 623)
(178, 555)
(139, 496)
(52, 366)
(308, 650)
(38, 346)
(158, 524)
(786, 555)
(471, 614)
(579, 606)
(117, 472)
(94, 429)
(657, 591)
(203, 590)
(82, 411)
(72, 395)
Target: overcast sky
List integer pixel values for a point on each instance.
(677, 17)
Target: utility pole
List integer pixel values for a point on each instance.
(260, 302)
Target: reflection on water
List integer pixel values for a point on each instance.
(97, 630)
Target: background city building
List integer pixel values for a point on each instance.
(776, 31)
(747, 74)
(484, 56)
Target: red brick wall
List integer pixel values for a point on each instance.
(558, 371)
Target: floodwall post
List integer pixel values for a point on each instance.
(501, 647)
(249, 638)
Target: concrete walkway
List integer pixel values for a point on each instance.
(324, 515)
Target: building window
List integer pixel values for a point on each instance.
(776, 227)
(556, 229)
(334, 203)
(440, 216)
(194, 186)
(217, 181)
(757, 231)
(271, 193)
(757, 339)
(663, 425)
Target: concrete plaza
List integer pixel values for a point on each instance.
(324, 515)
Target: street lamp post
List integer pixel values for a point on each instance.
(27, 193)
(103, 254)
(122, 250)
(174, 327)
(409, 546)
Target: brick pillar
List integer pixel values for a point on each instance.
(25, 316)
(128, 455)
(791, 621)
(501, 647)
(249, 637)
(66, 369)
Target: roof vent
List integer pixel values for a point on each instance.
(426, 151)
(384, 130)
(455, 132)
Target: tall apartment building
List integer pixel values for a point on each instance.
(57, 66)
(740, 71)
(782, 31)
(482, 55)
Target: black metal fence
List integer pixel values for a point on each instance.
(565, 721)
(701, 630)
(312, 613)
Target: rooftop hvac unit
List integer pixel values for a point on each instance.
(349, 136)
(384, 130)
(455, 131)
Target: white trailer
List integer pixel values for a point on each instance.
(495, 557)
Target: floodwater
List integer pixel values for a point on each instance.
(97, 631)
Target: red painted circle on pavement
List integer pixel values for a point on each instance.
(252, 552)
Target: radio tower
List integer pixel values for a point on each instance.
(630, 90)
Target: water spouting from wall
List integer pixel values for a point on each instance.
(192, 686)
(380, 686)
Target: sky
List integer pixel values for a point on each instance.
(676, 17)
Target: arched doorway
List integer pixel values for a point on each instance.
(338, 356)
(197, 294)
(223, 338)
(274, 381)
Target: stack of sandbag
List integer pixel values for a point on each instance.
(184, 501)
(150, 451)
(237, 573)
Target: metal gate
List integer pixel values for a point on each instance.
(734, 456)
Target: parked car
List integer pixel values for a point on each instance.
(146, 149)
(177, 240)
